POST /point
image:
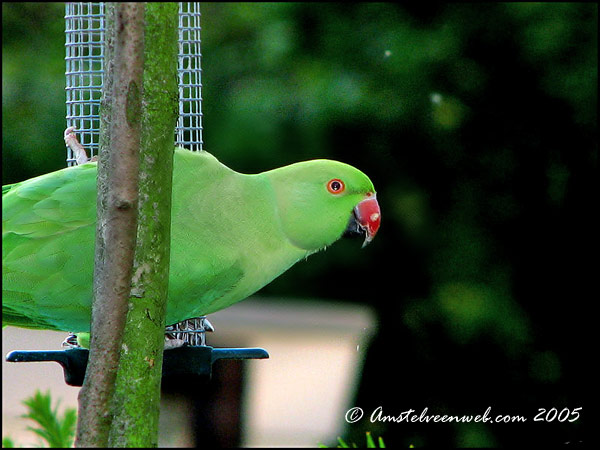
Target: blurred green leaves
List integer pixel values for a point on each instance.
(557, 39)
(33, 82)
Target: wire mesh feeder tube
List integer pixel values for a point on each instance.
(84, 47)
(189, 74)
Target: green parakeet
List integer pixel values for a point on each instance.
(231, 234)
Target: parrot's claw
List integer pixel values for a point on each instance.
(190, 331)
(208, 326)
(78, 150)
(71, 341)
(174, 343)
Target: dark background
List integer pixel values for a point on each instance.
(477, 125)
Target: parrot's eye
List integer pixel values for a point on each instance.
(335, 186)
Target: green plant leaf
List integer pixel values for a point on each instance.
(7, 443)
(370, 442)
(342, 443)
(57, 431)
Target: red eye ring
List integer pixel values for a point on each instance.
(336, 186)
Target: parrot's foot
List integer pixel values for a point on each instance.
(190, 332)
(71, 341)
(73, 143)
(174, 343)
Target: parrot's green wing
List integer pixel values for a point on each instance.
(6, 188)
(48, 226)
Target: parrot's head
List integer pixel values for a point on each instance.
(321, 200)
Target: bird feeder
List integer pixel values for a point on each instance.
(85, 69)
(84, 44)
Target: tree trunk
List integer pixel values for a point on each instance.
(118, 167)
(119, 401)
(137, 395)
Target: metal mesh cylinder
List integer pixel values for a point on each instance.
(84, 31)
(189, 73)
(84, 44)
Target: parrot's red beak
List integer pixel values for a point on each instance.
(365, 219)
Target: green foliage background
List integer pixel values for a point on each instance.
(476, 123)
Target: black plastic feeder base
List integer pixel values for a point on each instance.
(186, 361)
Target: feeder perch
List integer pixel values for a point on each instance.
(84, 44)
(187, 361)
